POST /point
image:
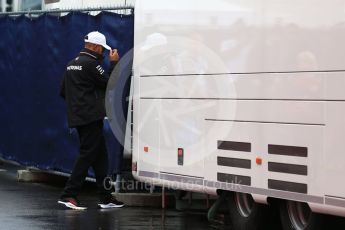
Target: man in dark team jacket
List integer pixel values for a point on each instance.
(83, 88)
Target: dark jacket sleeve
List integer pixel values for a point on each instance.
(63, 87)
(98, 75)
(111, 67)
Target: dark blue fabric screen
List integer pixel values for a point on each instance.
(33, 56)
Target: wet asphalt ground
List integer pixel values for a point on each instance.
(27, 206)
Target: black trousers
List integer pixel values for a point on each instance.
(93, 153)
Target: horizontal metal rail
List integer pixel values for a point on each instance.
(57, 11)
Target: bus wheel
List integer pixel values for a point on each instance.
(245, 213)
(298, 216)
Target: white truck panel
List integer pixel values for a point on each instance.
(244, 36)
(236, 81)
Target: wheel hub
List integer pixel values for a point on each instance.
(299, 214)
(244, 203)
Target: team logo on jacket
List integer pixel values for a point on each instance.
(75, 67)
(100, 69)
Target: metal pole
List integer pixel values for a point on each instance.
(163, 198)
(54, 11)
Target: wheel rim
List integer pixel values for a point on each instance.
(299, 214)
(244, 204)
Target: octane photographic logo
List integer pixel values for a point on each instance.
(181, 92)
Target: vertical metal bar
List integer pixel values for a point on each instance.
(190, 198)
(163, 197)
(163, 219)
(207, 201)
(152, 187)
(118, 183)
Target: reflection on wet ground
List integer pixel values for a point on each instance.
(33, 206)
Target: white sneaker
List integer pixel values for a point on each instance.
(71, 203)
(111, 203)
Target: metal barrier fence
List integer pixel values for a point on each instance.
(127, 9)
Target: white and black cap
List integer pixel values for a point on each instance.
(97, 38)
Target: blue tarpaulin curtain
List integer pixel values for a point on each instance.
(33, 56)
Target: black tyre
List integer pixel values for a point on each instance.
(246, 214)
(298, 216)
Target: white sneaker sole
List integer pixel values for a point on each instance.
(71, 206)
(109, 206)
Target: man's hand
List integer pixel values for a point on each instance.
(114, 55)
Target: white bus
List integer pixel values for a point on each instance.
(245, 97)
